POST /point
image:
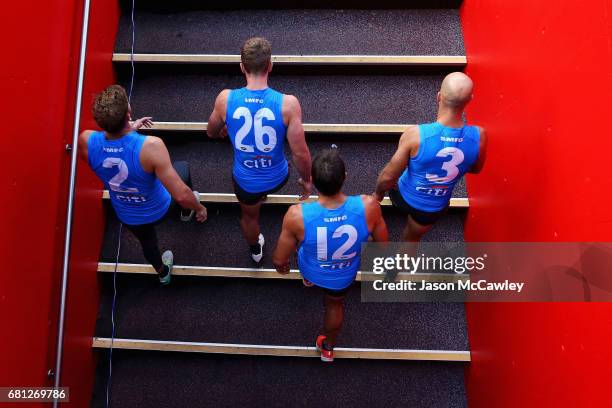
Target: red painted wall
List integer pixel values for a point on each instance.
(37, 73)
(542, 74)
(39, 82)
(88, 226)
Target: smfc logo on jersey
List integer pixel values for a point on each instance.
(113, 149)
(335, 219)
(451, 139)
(253, 100)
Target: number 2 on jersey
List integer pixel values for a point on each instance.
(452, 171)
(340, 253)
(115, 182)
(259, 129)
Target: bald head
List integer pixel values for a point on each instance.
(456, 90)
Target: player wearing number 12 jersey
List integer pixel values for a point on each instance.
(137, 171)
(432, 158)
(258, 119)
(329, 233)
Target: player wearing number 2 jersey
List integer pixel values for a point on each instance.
(432, 158)
(137, 171)
(258, 119)
(329, 233)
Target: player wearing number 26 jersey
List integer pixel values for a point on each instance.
(329, 234)
(432, 158)
(258, 120)
(255, 126)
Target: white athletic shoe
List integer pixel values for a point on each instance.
(167, 260)
(257, 257)
(187, 215)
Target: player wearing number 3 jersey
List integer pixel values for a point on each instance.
(258, 119)
(329, 233)
(137, 171)
(432, 158)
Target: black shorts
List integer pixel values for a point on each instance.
(422, 217)
(244, 197)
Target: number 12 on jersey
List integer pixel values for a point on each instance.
(340, 253)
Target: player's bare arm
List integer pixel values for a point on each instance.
(292, 116)
(375, 220)
(145, 122)
(482, 153)
(292, 232)
(408, 147)
(83, 140)
(155, 158)
(216, 123)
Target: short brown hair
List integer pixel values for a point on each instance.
(255, 55)
(110, 108)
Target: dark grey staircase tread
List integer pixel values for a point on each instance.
(170, 95)
(219, 242)
(211, 162)
(154, 379)
(278, 312)
(297, 32)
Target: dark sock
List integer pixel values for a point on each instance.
(165, 271)
(255, 249)
(327, 347)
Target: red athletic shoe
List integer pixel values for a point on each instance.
(326, 355)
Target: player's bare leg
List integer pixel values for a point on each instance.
(334, 315)
(332, 322)
(413, 232)
(249, 223)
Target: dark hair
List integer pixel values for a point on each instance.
(110, 108)
(255, 55)
(328, 172)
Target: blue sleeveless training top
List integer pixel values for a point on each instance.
(255, 126)
(138, 197)
(445, 155)
(330, 254)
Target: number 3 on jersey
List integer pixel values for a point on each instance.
(450, 166)
(259, 130)
(340, 253)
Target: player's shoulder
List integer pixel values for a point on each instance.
(481, 131)
(85, 135)
(223, 96)
(295, 210)
(293, 217)
(369, 202)
(411, 136)
(152, 144)
(290, 102)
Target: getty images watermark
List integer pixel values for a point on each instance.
(481, 272)
(404, 263)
